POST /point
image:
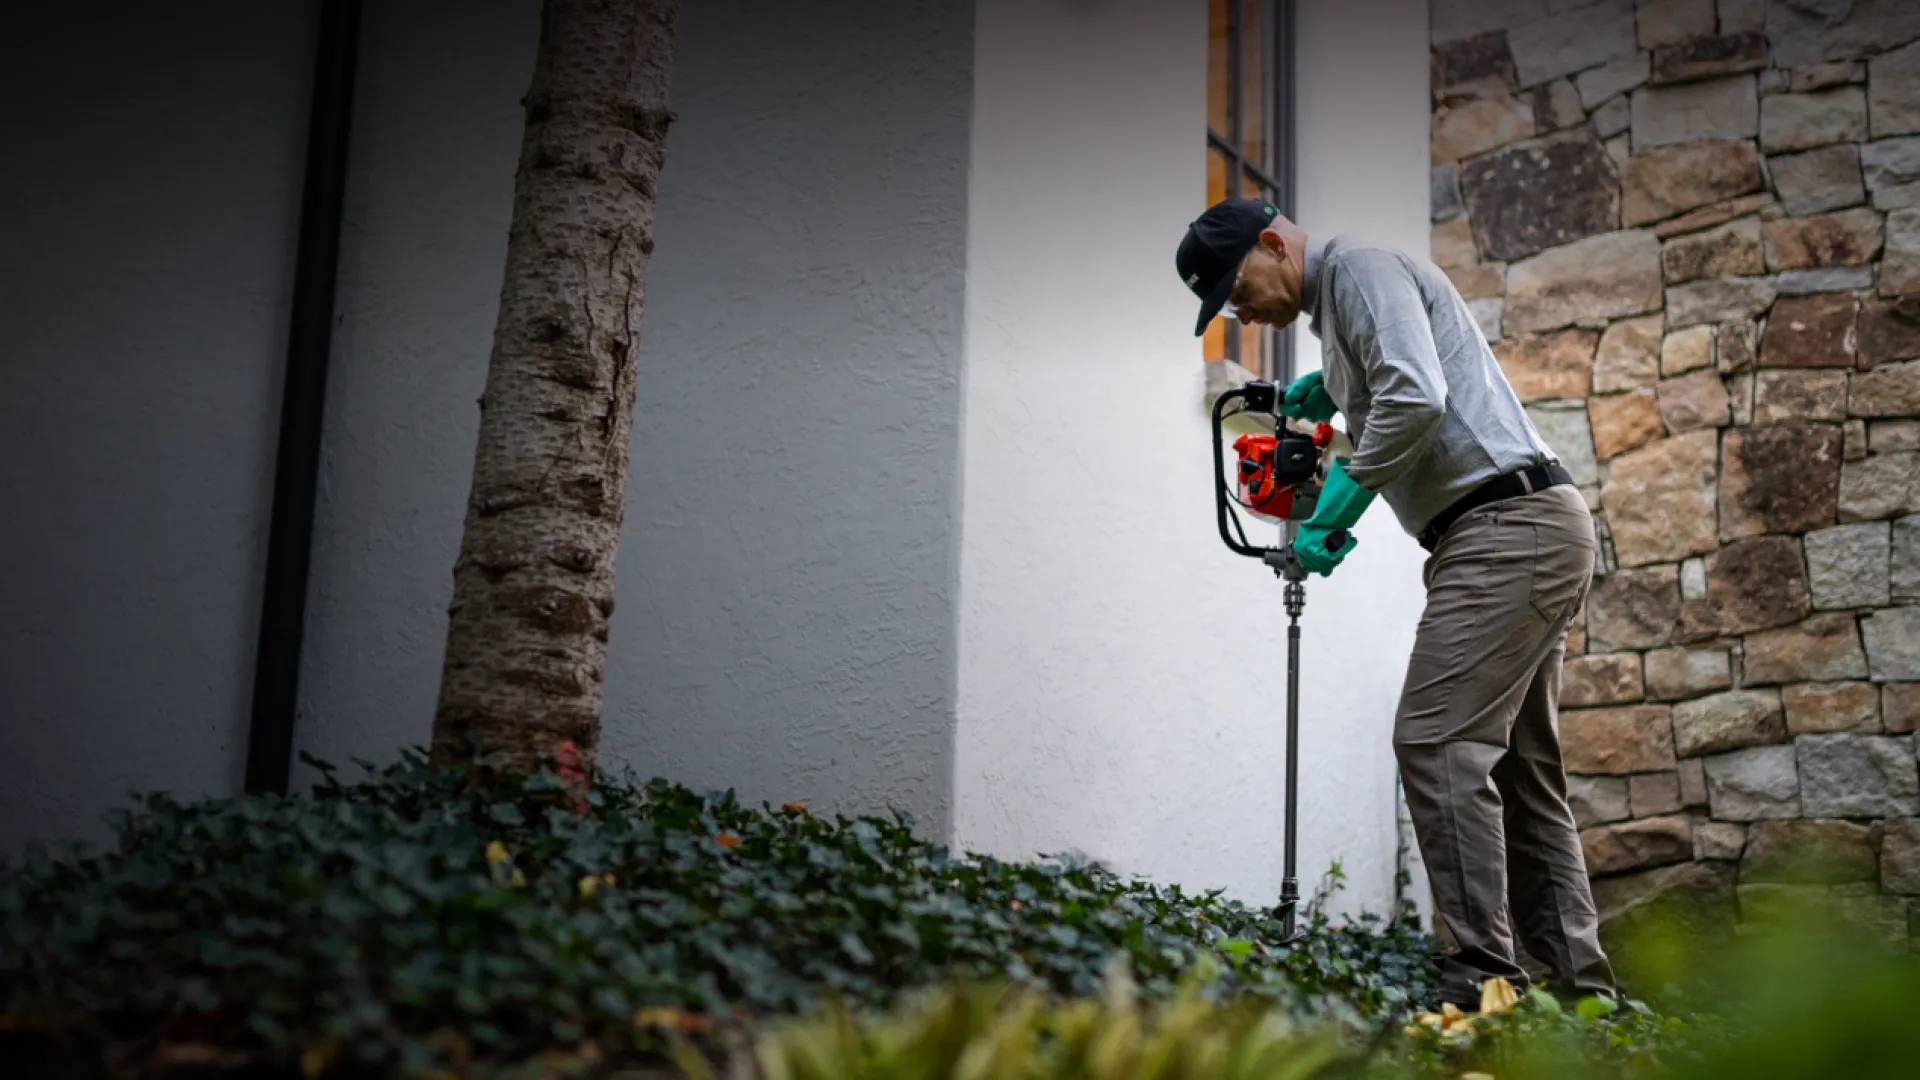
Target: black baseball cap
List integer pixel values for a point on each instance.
(1216, 241)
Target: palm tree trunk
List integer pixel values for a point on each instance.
(533, 586)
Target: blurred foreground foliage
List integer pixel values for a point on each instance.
(1806, 1001)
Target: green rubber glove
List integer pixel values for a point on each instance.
(1307, 399)
(1341, 503)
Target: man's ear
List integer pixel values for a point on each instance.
(1274, 242)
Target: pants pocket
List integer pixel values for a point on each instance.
(1562, 570)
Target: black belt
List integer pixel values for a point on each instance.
(1511, 486)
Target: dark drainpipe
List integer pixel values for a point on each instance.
(1286, 56)
(276, 677)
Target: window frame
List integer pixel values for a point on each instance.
(1274, 177)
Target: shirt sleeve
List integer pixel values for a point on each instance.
(1386, 329)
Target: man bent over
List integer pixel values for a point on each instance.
(1439, 435)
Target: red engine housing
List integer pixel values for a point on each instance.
(1261, 489)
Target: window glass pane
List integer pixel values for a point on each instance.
(1216, 177)
(1217, 46)
(1249, 345)
(1251, 187)
(1256, 78)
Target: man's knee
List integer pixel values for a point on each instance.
(1410, 750)
(1435, 764)
(1411, 743)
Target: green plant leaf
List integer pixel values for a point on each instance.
(1595, 1007)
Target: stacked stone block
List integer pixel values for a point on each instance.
(1691, 231)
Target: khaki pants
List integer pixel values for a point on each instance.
(1477, 738)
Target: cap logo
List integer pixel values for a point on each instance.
(1192, 280)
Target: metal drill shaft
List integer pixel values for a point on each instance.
(1289, 884)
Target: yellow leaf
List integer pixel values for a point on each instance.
(519, 879)
(795, 808)
(587, 885)
(1476, 1076)
(1497, 996)
(496, 852)
(727, 840)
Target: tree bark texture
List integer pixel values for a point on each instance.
(533, 585)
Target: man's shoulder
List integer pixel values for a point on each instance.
(1352, 261)
(1350, 249)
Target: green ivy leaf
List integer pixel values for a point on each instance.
(1596, 1007)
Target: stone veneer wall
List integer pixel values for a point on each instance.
(1693, 233)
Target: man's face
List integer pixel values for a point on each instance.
(1267, 292)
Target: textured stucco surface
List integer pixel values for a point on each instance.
(785, 615)
(436, 136)
(148, 199)
(1122, 673)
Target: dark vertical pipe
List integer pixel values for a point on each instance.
(1283, 154)
(276, 675)
(1236, 144)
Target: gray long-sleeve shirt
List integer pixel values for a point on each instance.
(1430, 413)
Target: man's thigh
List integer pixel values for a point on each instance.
(1500, 587)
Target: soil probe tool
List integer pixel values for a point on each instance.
(1279, 480)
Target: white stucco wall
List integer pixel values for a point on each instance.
(1121, 672)
(149, 197)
